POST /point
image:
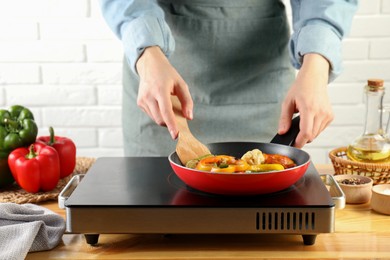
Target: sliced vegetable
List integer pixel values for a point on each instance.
(226, 169)
(265, 167)
(222, 163)
(251, 161)
(218, 161)
(241, 166)
(192, 163)
(253, 157)
(279, 159)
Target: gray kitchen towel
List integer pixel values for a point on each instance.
(28, 228)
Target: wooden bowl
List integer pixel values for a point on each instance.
(357, 188)
(380, 200)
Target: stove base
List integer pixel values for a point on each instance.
(307, 222)
(93, 239)
(309, 240)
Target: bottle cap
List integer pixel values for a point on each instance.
(375, 84)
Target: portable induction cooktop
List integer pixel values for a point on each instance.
(144, 196)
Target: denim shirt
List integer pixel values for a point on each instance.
(318, 27)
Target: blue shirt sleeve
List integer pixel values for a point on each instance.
(319, 27)
(138, 24)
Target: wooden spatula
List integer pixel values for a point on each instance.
(187, 147)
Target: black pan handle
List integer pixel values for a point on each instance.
(289, 137)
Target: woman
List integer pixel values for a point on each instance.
(229, 63)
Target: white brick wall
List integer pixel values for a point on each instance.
(59, 58)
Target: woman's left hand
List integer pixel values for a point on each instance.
(308, 95)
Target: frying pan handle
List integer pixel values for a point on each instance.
(289, 137)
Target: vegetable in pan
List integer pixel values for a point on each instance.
(222, 163)
(251, 161)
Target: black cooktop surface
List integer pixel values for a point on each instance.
(151, 182)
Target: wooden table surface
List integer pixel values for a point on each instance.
(360, 234)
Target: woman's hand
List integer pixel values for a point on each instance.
(308, 96)
(158, 81)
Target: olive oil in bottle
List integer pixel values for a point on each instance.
(373, 145)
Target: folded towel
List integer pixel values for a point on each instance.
(28, 228)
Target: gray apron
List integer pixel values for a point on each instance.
(234, 57)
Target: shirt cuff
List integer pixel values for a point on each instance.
(144, 32)
(317, 39)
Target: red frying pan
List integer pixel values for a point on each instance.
(247, 183)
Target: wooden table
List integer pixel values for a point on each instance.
(360, 234)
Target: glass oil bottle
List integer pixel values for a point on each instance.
(373, 145)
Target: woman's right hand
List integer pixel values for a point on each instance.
(159, 80)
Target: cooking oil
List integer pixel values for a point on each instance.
(370, 150)
(373, 145)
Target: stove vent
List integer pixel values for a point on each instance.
(286, 221)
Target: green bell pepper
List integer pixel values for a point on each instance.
(17, 129)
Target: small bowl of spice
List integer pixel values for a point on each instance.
(357, 188)
(380, 200)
